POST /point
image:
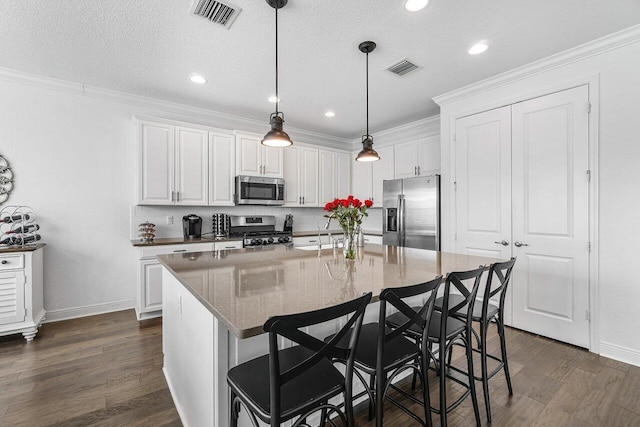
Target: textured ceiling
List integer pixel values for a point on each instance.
(151, 47)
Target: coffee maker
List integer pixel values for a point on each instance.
(192, 226)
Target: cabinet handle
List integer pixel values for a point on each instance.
(415, 170)
(4, 261)
(180, 250)
(177, 196)
(229, 247)
(418, 170)
(303, 200)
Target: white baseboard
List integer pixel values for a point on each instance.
(620, 353)
(88, 310)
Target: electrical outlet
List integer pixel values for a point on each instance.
(170, 220)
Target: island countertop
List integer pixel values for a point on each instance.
(244, 287)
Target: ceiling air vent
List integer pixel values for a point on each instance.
(219, 13)
(402, 67)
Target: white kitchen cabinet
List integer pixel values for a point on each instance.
(301, 176)
(172, 165)
(368, 176)
(222, 168)
(335, 175)
(417, 158)
(255, 159)
(149, 298)
(21, 293)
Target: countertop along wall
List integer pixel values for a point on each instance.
(614, 61)
(72, 150)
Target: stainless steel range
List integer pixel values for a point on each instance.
(258, 230)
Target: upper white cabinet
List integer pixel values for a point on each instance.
(253, 158)
(417, 158)
(335, 175)
(368, 176)
(173, 165)
(301, 176)
(222, 168)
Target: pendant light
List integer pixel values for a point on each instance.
(368, 154)
(276, 137)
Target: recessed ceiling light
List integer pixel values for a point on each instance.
(330, 114)
(274, 99)
(415, 5)
(478, 48)
(198, 79)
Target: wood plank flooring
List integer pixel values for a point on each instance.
(106, 370)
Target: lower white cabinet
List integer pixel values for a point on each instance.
(149, 296)
(21, 293)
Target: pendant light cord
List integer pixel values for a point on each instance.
(277, 95)
(367, 94)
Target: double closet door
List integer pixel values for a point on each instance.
(522, 189)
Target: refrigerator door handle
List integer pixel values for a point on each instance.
(401, 220)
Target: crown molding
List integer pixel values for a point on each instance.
(426, 127)
(596, 47)
(203, 116)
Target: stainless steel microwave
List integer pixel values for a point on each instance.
(258, 190)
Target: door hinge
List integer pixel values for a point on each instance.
(589, 246)
(588, 107)
(588, 175)
(455, 185)
(588, 314)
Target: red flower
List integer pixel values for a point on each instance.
(368, 203)
(327, 207)
(345, 203)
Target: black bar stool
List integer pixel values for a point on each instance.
(300, 380)
(484, 314)
(384, 353)
(447, 331)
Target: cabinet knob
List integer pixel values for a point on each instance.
(4, 261)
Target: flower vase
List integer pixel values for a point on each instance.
(349, 243)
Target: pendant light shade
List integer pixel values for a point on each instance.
(276, 137)
(368, 154)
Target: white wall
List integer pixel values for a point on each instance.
(72, 150)
(615, 62)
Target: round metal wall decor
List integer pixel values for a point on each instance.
(6, 180)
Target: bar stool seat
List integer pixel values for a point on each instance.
(319, 383)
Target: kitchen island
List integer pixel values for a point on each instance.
(215, 303)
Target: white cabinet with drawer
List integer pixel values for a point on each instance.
(149, 296)
(21, 293)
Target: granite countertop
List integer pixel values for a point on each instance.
(159, 241)
(27, 248)
(325, 232)
(244, 287)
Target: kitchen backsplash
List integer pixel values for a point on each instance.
(304, 219)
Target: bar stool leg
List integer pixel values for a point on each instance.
(425, 389)
(381, 380)
(372, 387)
(483, 361)
(233, 413)
(442, 367)
(503, 349)
(472, 381)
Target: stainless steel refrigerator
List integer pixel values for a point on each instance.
(411, 212)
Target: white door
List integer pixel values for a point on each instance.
(272, 161)
(309, 175)
(156, 164)
(293, 192)
(222, 160)
(192, 167)
(381, 170)
(361, 185)
(483, 184)
(327, 177)
(550, 150)
(406, 159)
(342, 174)
(248, 155)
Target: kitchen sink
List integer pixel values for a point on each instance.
(315, 247)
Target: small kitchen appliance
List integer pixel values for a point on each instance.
(192, 226)
(288, 223)
(220, 225)
(258, 230)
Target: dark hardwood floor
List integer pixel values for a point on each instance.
(106, 370)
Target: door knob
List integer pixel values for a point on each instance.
(519, 243)
(503, 243)
(4, 261)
